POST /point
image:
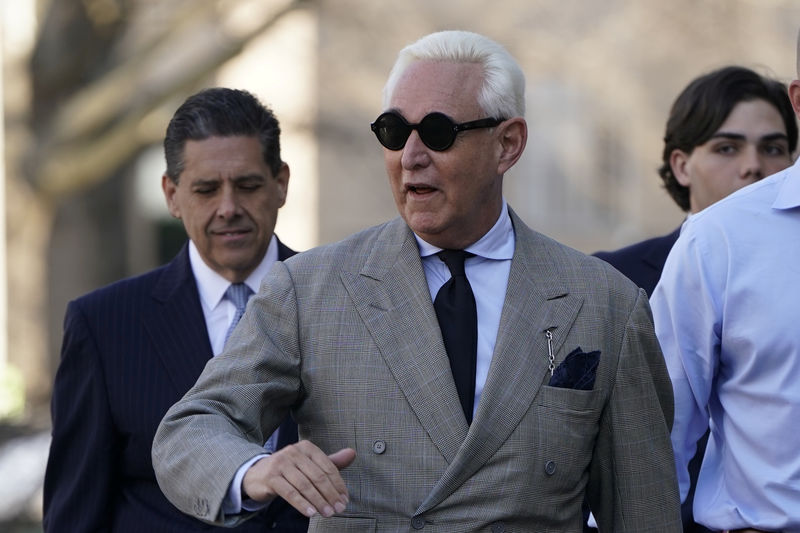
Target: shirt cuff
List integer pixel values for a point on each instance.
(233, 504)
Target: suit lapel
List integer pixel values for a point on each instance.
(176, 324)
(284, 252)
(535, 301)
(392, 298)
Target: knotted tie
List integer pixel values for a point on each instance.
(238, 294)
(458, 320)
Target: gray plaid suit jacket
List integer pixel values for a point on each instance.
(345, 337)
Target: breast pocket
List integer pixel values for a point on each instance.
(566, 424)
(567, 413)
(344, 524)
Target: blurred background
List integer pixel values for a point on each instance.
(88, 87)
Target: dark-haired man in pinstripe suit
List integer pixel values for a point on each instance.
(132, 349)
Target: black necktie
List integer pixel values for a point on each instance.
(458, 320)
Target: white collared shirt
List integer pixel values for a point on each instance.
(488, 276)
(218, 310)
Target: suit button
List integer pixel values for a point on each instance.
(379, 447)
(550, 468)
(498, 527)
(417, 522)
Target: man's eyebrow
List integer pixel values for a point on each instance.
(775, 137)
(741, 137)
(249, 177)
(204, 182)
(235, 179)
(729, 135)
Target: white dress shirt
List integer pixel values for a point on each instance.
(218, 310)
(727, 317)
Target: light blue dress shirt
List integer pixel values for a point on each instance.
(727, 315)
(487, 273)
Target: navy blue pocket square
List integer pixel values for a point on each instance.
(577, 371)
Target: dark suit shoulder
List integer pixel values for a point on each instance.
(163, 279)
(643, 261)
(648, 248)
(160, 282)
(284, 252)
(122, 287)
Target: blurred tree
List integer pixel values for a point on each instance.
(105, 76)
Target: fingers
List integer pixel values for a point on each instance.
(343, 458)
(315, 479)
(302, 475)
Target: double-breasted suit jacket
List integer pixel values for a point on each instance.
(129, 351)
(346, 338)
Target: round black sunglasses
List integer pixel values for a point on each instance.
(436, 130)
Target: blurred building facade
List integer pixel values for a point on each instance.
(83, 123)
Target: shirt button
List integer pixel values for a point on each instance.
(550, 468)
(498, 527)
(379, 447)
(417, 522)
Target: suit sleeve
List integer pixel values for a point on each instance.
(633, 453)
(240, 398)
(79, 480)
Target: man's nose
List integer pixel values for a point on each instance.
(415, 153)
(752, 164)
(228, 203)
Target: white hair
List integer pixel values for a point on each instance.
(503, 92)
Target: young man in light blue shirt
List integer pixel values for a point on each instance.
(726, 317)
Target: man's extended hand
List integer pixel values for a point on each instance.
(302, 475)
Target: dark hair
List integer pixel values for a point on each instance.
(221, 112)
(705, 104)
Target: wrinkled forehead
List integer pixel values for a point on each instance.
(447, 87)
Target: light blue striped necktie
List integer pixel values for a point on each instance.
(238, 294)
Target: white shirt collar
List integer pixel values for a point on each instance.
(211, 286)
(497, 243)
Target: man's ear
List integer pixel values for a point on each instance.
(794, 96)
(283, 182)
(170, 188)
(513, 138)
(678, 162)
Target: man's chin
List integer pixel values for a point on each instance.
(240, 264)
(423, 223)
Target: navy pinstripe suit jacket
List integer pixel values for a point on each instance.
(130, 350)
(642, 262)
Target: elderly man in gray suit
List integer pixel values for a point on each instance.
(450, 370)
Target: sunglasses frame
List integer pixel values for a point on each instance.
(452, 127)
